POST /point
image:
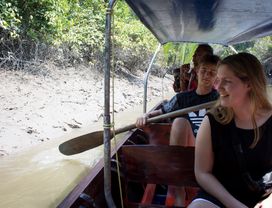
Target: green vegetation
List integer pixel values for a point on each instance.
(69, 32)
(262, 48)
(177, 54)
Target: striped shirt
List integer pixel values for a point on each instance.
(189, 99)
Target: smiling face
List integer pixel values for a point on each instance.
(233, 91)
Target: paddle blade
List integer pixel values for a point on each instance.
(81, 143)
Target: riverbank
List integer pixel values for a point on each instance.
(36, 108)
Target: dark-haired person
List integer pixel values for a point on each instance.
(184, 128)
(188, 78)
(176, 84)
(234, 142)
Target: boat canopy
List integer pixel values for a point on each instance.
(225, 22)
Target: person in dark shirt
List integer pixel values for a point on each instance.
(234, 143)
(184, 128)
(204, 93)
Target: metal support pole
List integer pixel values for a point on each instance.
(107, 127)
(233, 49)
(146, 75)
(162, 81)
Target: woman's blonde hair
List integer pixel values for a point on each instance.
(248, 69)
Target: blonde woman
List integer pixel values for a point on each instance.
(234, 142)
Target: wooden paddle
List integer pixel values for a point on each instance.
(94, 139)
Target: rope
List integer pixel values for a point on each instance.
(113, 129)
(108, 126)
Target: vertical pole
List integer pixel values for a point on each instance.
(162, 81)
(107, 127)
(146, 75)
(233, 49)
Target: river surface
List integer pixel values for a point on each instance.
(42, 176)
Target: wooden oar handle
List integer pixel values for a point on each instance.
(181, 112)
(94, 139)
(168, 115)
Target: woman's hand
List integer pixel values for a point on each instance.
(267, 203)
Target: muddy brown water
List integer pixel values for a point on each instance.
(42, 176)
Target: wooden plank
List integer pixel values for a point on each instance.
(168, 165)
(148, 194)
(158, 133)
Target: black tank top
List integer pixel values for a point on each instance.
(226, 167)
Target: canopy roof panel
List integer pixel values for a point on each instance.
(205, 21)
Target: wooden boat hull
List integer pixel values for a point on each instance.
(137, 150)
(142, 163)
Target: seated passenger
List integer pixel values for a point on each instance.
(176, 84)
(204, 93)
(184, 129)
(234, 142)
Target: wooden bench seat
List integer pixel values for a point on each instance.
(158, 133)
(166, 165)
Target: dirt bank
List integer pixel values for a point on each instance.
(39, 107)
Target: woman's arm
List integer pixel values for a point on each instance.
(204, 159)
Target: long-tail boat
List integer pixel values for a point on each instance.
(139, 176)
(147, 164)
